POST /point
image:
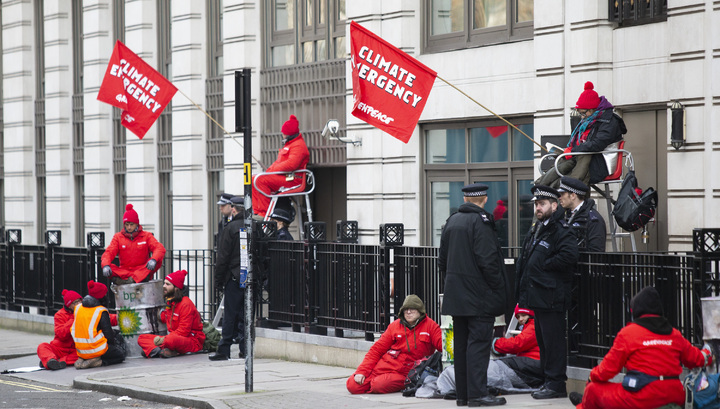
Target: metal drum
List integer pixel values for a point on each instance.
(138, 309)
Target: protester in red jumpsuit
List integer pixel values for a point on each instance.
(60, 352)
(387, 363)
(134, 246)
(523, 344)
(293, 156)
(185, 328)
(650, 345)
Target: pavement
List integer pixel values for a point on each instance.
(194, 381)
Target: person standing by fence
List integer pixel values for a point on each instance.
(545, 272)
(475, 292)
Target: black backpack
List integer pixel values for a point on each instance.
(428, 366)
(633, 211)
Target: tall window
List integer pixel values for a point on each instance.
(630, 13)
(305, 31)
(214, 102)
(487, 152)
(41, 191)
(164, 22)
(77, 121)
(457, 24)
(119, 132)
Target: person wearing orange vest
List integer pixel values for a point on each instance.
(60, 352)
(96, 343)
(185, 328)
(133, 245)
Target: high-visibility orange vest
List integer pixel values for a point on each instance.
(89, 342)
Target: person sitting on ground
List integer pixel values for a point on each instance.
(520, 372)
(185, 328)
(649, 345)
(60, 352)
(134, 246)
(599, 127)
(294, 155)
(283, 218)
(411, 337)
(96, 343)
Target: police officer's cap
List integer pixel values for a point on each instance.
(225, 199)
(475, 189)
(572, 185)
(541, 192)
(282, 215)
(237, 201)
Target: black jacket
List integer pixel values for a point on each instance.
(475, 281)
(546, 266)
(227, 262)
(284, 234)
(588, 226)
(608, 128)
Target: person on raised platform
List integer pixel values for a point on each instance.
(141, 254)
(185, 328)
(294, 155)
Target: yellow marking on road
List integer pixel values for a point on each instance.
(30, 386)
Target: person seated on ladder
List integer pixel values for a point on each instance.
(294, 155)
(599, 127)
(134, 246)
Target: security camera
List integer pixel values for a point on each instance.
(331, 126)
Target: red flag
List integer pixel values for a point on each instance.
(135, 87)
(496, 131)
(390, 88)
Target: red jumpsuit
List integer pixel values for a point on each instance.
(389, 360)
(523, 344)
(185, 329)
(62, 347)
(134, 254)
(637, 348)
(293, 156)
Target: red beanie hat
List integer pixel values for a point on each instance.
(130, 215)
(523, 310)
(589, 99)
(291, 126)
(177, 278)
(97, 290)
(69, 296)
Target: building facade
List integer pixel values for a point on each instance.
(69, 166)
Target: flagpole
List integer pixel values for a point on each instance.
(487, 109)
(221, 127)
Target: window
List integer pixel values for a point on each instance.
(636, 12)
(164, 140)
(2, 147)
(40, 196)
(78, 122)
(487, 152)
(119, 133)
(457, 24)
(214, 102)
(305, 31)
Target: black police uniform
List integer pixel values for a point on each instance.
(227, 274)
(545, 273)
(475, 293)
(587, 224)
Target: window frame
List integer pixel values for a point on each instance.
(510, 171)
(627, 17)
(472, 38)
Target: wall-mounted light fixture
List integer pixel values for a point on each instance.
(677, 127)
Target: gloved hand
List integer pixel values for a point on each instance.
(151, 264)
(707, 353)
(493, 350)
(568, 150)
(158, 340)
(107, 271)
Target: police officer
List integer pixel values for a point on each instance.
(283, 218)
(225, 213)
(545, 272)
(475, 292)
(227, 278)
(579, 212)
